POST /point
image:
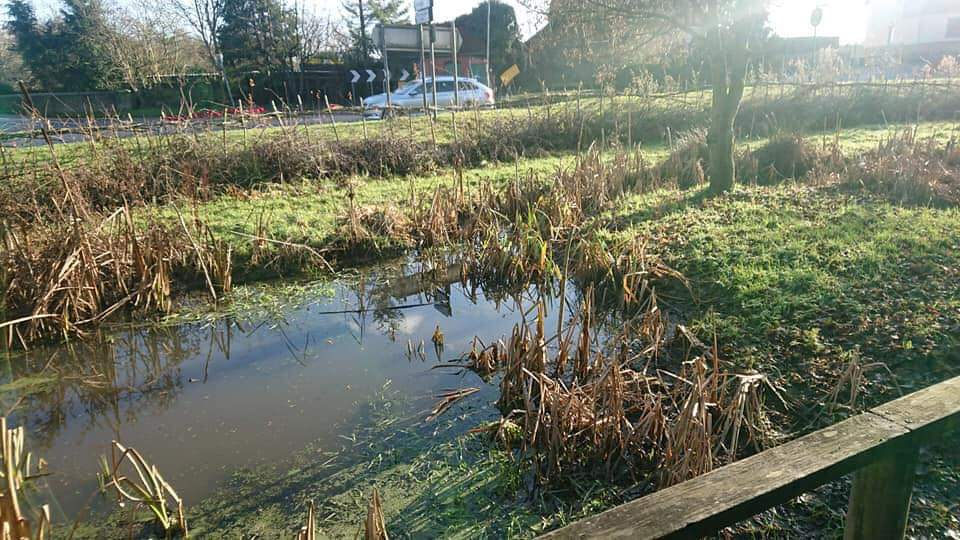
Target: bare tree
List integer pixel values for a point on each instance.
(205, 18)
(147, 45)
(319, 36)
(730, 31)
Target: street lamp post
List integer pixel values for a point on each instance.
(489, 80)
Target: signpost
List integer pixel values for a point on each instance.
(424, 15)
(433, 66)
(423, 67)
(456, 76)
(413, 39)
(815, 19)
(386, 68)
(424, 11)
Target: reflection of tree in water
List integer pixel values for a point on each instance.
(111, 381)
(381, 297)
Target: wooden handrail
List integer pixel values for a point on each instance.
(880, 445)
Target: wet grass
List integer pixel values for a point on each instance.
(434, 479)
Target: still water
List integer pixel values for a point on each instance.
(206, 398)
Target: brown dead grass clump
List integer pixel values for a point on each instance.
(62, 279)
(783, 157)
(380, 224)
(687, 162)
(585, 403)
(381, 156)
(910, 171)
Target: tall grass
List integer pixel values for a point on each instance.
(64, 277)
(583, 403)
(910, 170)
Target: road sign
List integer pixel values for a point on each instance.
(356, 77)
(371, 76)
(404, 75)
(409, 38)
(509, 74)
(423, 11)
(816, 17)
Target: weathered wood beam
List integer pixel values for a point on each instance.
(880, 498)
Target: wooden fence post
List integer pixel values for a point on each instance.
(880, 498)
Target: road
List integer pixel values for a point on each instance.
(22, 131)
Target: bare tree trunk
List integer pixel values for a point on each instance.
(728, 73)
(720, 144)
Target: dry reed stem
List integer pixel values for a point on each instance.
(148, 489)
(375, 527)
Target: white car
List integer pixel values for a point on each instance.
(472, 94)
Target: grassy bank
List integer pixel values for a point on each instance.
(266, 217)
(311, 212)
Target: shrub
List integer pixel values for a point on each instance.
(783, 157)
(687, 162)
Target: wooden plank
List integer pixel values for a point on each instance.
(880, 498)
(742, 489)
(929, 412)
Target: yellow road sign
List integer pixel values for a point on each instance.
(509, 74)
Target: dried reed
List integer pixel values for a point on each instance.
(148, 489)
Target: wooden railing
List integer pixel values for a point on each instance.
(880, 446)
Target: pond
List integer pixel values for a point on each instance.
(204, 398)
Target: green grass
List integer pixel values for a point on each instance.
(785, 271)
(307, 212)
(796, 282)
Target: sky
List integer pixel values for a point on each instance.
(846, 19)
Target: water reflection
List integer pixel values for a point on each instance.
(205, 398)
